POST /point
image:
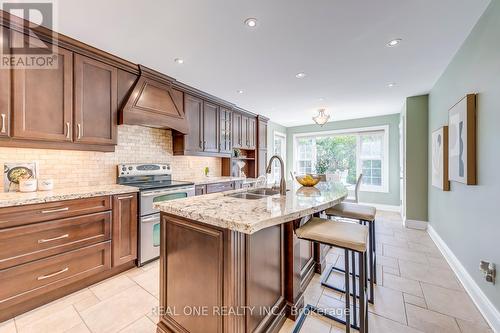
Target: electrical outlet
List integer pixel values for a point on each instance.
(489, 271)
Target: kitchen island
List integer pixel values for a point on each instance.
(233, 264)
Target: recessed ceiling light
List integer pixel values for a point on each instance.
(321, 99)
(391, 85)
(239, 91)
(300, 75)
(251, 22)
(394, 42)
(179, 61)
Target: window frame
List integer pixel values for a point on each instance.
(384, 188)
(281, 135)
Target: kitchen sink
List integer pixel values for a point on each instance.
(264, 191)
(248, 196)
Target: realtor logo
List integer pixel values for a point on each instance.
(23, 45)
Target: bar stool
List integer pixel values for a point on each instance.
(364, 215)
(353, 239)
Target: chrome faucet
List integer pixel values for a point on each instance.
(282, 175)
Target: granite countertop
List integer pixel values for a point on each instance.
(221, 179)
(250, 216)
(8, 199)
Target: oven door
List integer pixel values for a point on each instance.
(150, 197)
(149, 244)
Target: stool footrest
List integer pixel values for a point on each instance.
(324, 283)
(311, 308)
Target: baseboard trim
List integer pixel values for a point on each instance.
(487, 309)
(387, 208)
(415, 224)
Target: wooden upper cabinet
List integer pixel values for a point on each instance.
(96, 104)
(262, 134)
(252, 133)
(5, 87)
(236, 130)
(193, 142)
(244, 132)
(210, 127)
(42, 101)
(225, 129)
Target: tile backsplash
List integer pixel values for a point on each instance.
(136, 144)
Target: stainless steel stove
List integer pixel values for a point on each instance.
(156, 185)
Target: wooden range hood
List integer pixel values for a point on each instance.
(153, 102)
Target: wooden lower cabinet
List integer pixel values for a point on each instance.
(216, 270)
(124, 228)
(23, 282)
(52, 249)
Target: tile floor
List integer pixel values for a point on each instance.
(413, 295)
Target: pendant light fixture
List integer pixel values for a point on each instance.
(322, 118)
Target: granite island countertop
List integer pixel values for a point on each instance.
(9, 199)
(250, 216)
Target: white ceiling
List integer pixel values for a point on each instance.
(340, 44)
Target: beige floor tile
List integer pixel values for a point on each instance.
(315, 324)
(391, 270)
(52, 307)
(387, 262)
(429, 321)
(378, 324)
(438, 262)
(405, 254)
(414, 300)
(80, 328)
(143, 325)
(60, 321)
(86, 303)
(438, 299)
(434, 275)
(468, 327)
(119, 311)
(112, 286)
(8, 326)
(389, 304)
(151, 265)
(402, 284)
(287, 326)
(150, 281)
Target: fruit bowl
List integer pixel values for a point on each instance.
(308, 180)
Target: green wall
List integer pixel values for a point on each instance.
(416, 113)
(467, 218)
(390, 198)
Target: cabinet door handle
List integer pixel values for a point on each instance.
(68, 131)
(4, 126)
(79, 131)
(201, 144)
(40, 241)
(43, 277)
(55, 210)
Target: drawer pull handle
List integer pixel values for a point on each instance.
(55, 210)
(43, 277)
(127, 197)
(40, 241)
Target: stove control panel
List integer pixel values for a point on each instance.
(144, 169)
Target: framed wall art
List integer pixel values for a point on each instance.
(462, 141)
(439, 156)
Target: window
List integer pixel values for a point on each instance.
(306, 155)
(279, 148)
(344, 155)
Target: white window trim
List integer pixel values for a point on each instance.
(283, 136)
(385, 159)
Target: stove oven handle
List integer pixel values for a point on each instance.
(176, 190)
